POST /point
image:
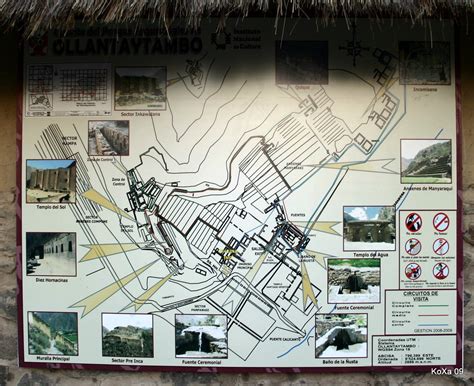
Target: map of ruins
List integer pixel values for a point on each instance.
(240, 198)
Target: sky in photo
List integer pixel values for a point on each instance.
(411, 147)
(49, 164)
(151, 72)
(110, 321)
(363, 212)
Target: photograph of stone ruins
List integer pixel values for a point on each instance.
(341, 336)
(51, 181)
(109, 138)
(53, 333)
(127, 335)
(140, 88)
(369, 228)
(50, 254)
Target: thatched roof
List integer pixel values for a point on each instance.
(32, 16)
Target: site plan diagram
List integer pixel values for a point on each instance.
(249, 197)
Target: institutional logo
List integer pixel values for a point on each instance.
(221, 39)
(38, 46)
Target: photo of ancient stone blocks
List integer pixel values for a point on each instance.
(140, 88)
(425, 63)
(53, 333)
(50, 254)
(201, 336)
(353, 280)
(301, 62)
(127, 335)
(341, 336)
(109, 138)
(369, 228)
(51, 181)
(426, 161)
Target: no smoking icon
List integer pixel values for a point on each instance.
(441, 221)
(441, 247)
(413, 222)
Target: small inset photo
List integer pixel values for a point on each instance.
(369, 228)
(426, 161)
(50, 254)
(301, 62)
(51, 181)
(53, 333)
(109, 138)
(425, 63)
(201, 336)
(140, 88)
(127, 335)
(341, 336)
(353, 280)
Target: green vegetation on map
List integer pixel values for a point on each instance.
(357, 263)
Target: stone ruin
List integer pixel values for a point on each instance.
(117, 139)
(340, 276)
(341, 337)
(110, 141)
(54, 180)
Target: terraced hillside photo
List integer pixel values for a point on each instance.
(426, 161)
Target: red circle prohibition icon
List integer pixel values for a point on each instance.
(441, 271)
(413, 222)
(441, 222)
(441, 246)
(413, 246)
(413, 271)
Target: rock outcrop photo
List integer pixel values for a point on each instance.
(125, 335)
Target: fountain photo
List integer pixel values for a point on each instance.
(127, 335)
(53, 333)
(201, 336)
(353, 280)
(369, 228)
(341, 336)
